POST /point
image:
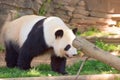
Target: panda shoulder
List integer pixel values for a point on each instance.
(54, 18)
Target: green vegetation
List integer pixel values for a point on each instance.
(118, 24)
(107, 47)
(1, 48)
(94, 32)
(43, 8)
(90, 32)
(42, 70)
(90, 67)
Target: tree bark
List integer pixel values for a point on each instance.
(93, 51)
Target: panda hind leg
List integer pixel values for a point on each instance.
(10, 56)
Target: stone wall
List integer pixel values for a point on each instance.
(84, 13)
(12, 9)
(79, 13)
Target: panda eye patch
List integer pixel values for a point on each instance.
(67, 47)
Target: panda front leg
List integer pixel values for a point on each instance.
(24, 60)
(58, 64)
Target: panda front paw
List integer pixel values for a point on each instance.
(63, 73)
(60, 72)
(23, 67)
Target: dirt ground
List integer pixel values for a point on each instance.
(44, 59)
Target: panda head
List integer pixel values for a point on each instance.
(63, 42)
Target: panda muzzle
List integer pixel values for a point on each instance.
(66, 55)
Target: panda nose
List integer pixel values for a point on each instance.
(74, 54)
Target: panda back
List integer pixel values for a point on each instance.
(18, 30)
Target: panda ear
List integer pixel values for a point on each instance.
(74, 30)
(59, 33)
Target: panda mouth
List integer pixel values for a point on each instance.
(66, 55)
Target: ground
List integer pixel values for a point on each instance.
(44, 59)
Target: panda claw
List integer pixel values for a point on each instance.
(64, 73)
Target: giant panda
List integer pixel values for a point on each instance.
(31, 35)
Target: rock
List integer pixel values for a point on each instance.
(80, 8)
(99, 14)
(101, 20)
(81, 3)
(83, 12)
(66, 2)
(67, 8)
(73, 2)
(83, 21)
(60, 12)
(12, 9)
(78, 16)
(65, 18)
(2, 20)
(23, 4)
(61, 2)
(69, 13)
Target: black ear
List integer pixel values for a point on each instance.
(74, 30)
(59, 33)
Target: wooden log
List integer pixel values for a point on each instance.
(81, 77)
(93, 51)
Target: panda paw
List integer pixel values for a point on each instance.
(24, 67)
(64, 73)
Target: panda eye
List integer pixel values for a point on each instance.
(67, 47)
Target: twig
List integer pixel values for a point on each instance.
(81, 66)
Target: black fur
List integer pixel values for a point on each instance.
(58, 64)
(59, 33)
(75, 30)
(11, 55)
(67, 47)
